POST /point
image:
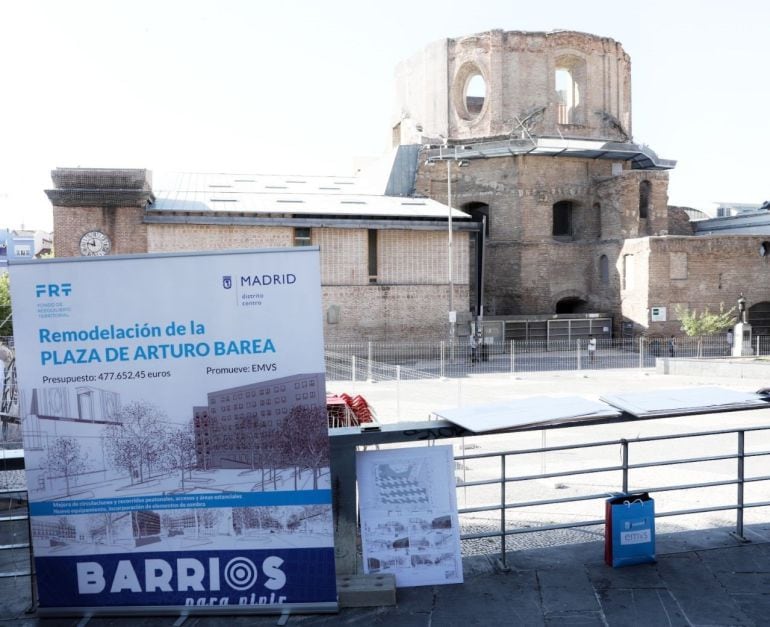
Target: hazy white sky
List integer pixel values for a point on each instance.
(304, 86)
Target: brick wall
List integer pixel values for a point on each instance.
(528, 270)
(121, 224)
(395, 313)
(718, 270)
(191, 237)
(519, 72)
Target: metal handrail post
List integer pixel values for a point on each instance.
(740, 486)
(513, 357)
(624, 463)
(503, 564)
(369, 362)
(641, 353)
(443, 359)
(353, 368)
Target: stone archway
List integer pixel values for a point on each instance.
(571, 304)
(759, 318)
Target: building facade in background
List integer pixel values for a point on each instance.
(557, 210)
(23, 244)
(384, 252)
(576, 216)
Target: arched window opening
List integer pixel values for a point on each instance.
(562, 219)
(479, 211)
(604, 269)
(644, 199)
(569, 82)
(475, 94)
(759, 318)
(469, 91)
(573, 304)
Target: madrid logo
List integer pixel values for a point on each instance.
(227, 281)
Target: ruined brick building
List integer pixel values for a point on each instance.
(530, 135)
(576, 213)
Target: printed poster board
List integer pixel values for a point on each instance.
(174, 425)
(409, 521)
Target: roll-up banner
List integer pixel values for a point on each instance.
(174, 425)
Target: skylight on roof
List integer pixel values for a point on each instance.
(352, 202)
(293, 201)
(245, 180)
(213, 185)
(417, 204)
(296, 181)
(223, 200)
(328, 188)
(276, 187)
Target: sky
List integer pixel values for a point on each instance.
(305, 87)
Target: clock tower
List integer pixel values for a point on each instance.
(99, 211)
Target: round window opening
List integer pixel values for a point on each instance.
(475, 94)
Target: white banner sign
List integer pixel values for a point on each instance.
(173, 415)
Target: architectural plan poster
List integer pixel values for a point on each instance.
(409, 522)
(174, 428)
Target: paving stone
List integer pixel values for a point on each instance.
(745, 558)
(755, 606)
(640, 576)
(566, 590)
(511, 598)
(575, 618)
(645, 606)
(701, 597)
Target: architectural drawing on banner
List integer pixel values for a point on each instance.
(261, 437)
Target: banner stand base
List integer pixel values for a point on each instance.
(183, 612)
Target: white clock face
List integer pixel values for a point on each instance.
(94, 243)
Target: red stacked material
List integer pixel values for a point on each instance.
(346, 411)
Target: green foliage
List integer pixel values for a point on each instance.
(6, 323)
(705, 323)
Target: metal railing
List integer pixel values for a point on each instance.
(385, 361)
(14, 517)
(488, 491)
(499, 486)
(738, 453)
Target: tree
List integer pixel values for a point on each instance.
(308, 425)
(65, 457)
(6, 320)
(136, 444)
(698, 325)
(180, 452)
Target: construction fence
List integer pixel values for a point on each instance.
(387, 361)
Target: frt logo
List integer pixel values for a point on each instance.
(53, 290)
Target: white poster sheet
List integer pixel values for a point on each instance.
(174, 426)
(409, 521)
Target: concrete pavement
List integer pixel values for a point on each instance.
(700, 578)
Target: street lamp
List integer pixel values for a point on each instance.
(461, 163)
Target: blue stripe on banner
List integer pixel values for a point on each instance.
(179, 501)
(190, 578)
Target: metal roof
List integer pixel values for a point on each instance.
(285, 194)
(641, 157)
